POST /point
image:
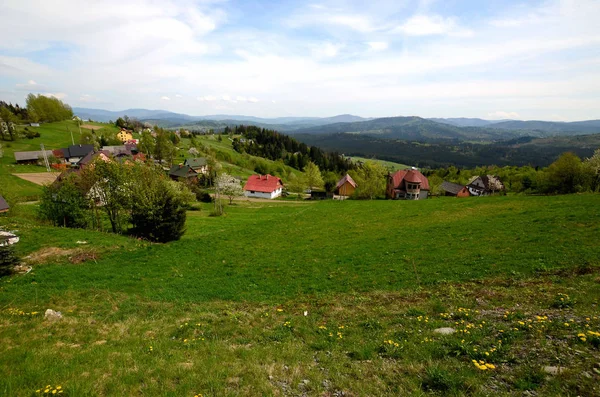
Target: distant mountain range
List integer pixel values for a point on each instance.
(410, 128)
(170, 119)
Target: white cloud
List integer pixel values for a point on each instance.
(428, 25)
(326, 50)
(165, 98)
(501, 115)
(378, 45)
(208, 98)
(57, 95)
(225, 98)
(178, 96)
(252, 100)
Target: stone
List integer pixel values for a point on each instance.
(444, 330)
(51, 315)
(553, 370)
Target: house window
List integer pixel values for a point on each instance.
(252, 191)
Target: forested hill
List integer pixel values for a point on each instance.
(424, 130)
(275, 146)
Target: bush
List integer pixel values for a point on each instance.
(8, 260)
(65, 204)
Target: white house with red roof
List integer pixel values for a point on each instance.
(263, 186)
(408, 184)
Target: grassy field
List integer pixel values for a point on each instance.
(390, 165)
(327, 298)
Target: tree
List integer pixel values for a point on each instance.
(313, 176)
(593, 165)
(108, 183)
(229, 186)
(8, 260)
(48, 108)
(87, 138)
(371, 180)
(147, 143)
(158, 205)
(164, 150)
(65, 204)
(567, 175)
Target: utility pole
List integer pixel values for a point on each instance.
(72, 140)
(45, 155)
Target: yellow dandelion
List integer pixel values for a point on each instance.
(490, 366)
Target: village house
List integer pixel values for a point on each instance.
(198, 164)
(74, 153)
(4, 207)
(263, 186)
(485, 185)
(182, 172)
(345, 186)
(124, 135)
(454, 189)
(409, 184)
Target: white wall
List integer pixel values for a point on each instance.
(264, 195)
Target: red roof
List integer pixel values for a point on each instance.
(263, 183)
(412, 176)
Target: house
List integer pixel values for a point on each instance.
(182, 172)
(74, 153)
(345, 186)
(31, 157)
(407, 184)
(124, 136)
(103, 155)
(485, 185)
(454, 189)
(4, 207)
(263, 186)
(198, 164)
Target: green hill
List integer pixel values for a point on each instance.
(315, 299)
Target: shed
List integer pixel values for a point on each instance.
(345, 186)
(31, 157)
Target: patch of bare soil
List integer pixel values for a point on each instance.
(48, 254)
(39, 178)
(91, 127)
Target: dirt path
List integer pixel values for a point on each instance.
(39, 178)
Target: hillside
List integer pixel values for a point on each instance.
(347, 304)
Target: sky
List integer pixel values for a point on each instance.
(493, 59)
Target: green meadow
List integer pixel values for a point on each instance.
(335, 298)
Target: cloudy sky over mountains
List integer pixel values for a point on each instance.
(494, 59)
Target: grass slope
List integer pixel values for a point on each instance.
(221, 312)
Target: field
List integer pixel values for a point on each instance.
(328, 298)
(390, 165)
(39, 178)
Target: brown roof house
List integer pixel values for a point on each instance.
(345, 187)
(407, 184)
(485, 185)
(454, 189)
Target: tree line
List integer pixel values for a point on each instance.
(275, 146)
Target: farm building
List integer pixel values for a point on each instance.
(485, 185)
(31, 157)
(409, 184)
(4, 207)
(454, 189)
(263, 186)
(181, 172)
(345, 186)
(198, 164)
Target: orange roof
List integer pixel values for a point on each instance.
(412, 176)
(263, 183)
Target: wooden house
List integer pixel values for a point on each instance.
(345, 186)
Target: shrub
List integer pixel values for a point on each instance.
(64, 204)
(8, 260)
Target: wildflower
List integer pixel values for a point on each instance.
(322, 327)
(279, 310)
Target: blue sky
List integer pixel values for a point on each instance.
(490, 59)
